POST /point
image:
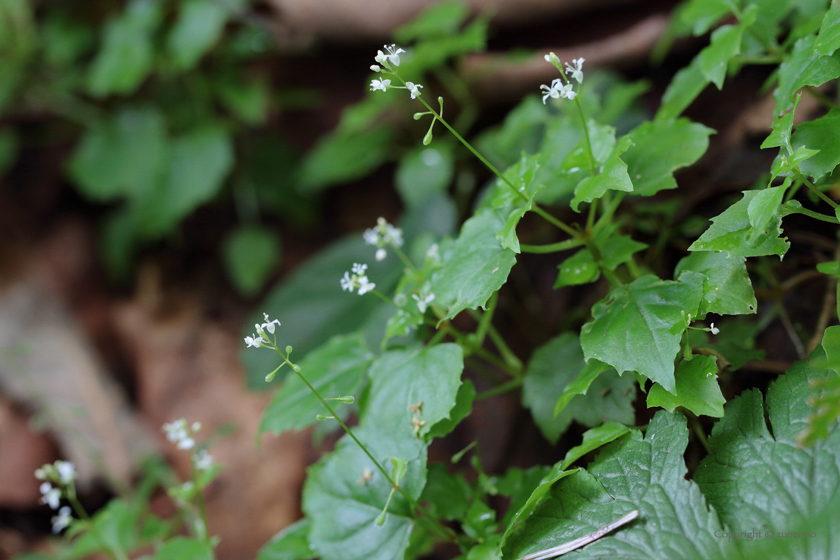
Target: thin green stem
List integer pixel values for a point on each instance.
(589, 154)
(442, 530)
(507, 354)
(815, 190)
(383, 297)
(551, 247)
(698, 431)
(499, 363)
(115, 553)
(486, 318)
(200, 503)
(810, 214)
(590, 219)
(555, 222)
(403, 257)
(503, 388)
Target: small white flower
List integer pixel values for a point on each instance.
(177, 433)
(379, 84)
(376, 68)
(393, 235)
(203, 460)
(66, 471)
(424, 302)
(50, 495)
(414, 89)
(381, 253)
(365, 285)
(393, 55)
(713, 329)
(558, 90)
(269, 324)
(576, 70)
(347, 283)
(62, 520)
(359, 269)
(381, 58)
(371, 236)
(432, 253)
(254, 341)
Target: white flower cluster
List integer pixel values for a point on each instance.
(178, 433)
(388, 62)
(357, 281)
(558, 89)
(381, 235)
(257, 339)
(63, 474)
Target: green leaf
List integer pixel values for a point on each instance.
(682, 91)
(764, 207)
(289, 544)
(462, 409)
(124, 155)
(115, 528)
(127, 53)
(825, 393)
(725, 44)
(674, 521)
(780, 137)
(344, 156)
(703, 14)
(760, 477)
(518, 485)
(731, 232)
(581, 267)
(247, 99)
(828, 39)
(578, 269)
(200, 163)
(820, 134)
(430, 376)
(551, 369)
(594, 439)
(312, 301)
(736, 341)
(804, 68)
(199, 26)
(442, 18)
(340, 501)
(335, 369)
(660, 148)
(447, 494)
(697, 389)
(590, 371)
(425, 171)
(183, 548)
(727, 289)
(638, 326)
(521, 131)
(613, 177)
(474, 266)
(251, 253)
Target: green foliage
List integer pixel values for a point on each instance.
(696, 390)
(638, 327)
(251, 254)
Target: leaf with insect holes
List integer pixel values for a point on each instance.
(731, 232)
(727, 289)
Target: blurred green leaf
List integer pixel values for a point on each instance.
(289, 544)
(343, 157)
(335, 369)
(123, 156)
(250, 254)
(183, 548)
(199, 26)
(127, 53)
(551, 369)
(828, 39)
(425, 171)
